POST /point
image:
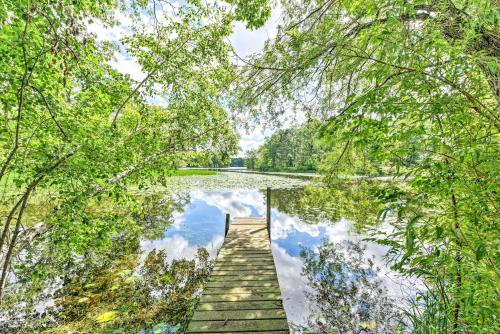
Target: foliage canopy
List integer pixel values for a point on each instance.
(409, 84)
(415, 85)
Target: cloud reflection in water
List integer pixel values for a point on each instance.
(201, 224)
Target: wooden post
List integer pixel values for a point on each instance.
(268, 211)
(227, 224)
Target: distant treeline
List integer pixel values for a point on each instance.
(305, 148)
(311, 147)
(293, 149)
(215, 161)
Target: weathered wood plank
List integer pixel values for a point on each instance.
(224, 255)
(240, 297)
(264, 261)
(253, 247)
(251, 268)
(239, 258)
(245, 260)
(232, 284)
(222, 326)
(246, 305)
(248, 247)
(245, 264)
(242, 294)
(238, 253)
(245, 241)
(240, 314)
(249, 232)
(239, 290)
(245, 278)
(245, 248)
(259, 332)
(242, 272)
(256, 244)
(246, 252)
(248, 266)
(236, 228)
(240, 234)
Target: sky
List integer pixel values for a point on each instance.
(244, 41)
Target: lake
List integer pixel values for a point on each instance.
(296, 230)
(331, 277)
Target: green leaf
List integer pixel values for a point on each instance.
(106, 316)
(439, 232)
(410, 235)
(480, 251)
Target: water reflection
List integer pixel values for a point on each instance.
(294, 286)
(349, 293)
(200, 223)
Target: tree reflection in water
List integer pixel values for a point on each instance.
(155, 213)
(105, 284)
(349, 295)
(359, 201)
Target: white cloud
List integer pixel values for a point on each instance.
(247, 42)
(113, 33)
(253, 137)
(233, 202)
(398, 287)
(177, 247)
(126, 64)
(122, 62)
(293, 286)
(282, 225)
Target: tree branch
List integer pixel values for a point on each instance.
(52, 115)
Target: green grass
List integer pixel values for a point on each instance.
(190, 172)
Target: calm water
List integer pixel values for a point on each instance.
(200, 220)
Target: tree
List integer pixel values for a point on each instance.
(251, 159)
(73, 125)
(237, 162)
(291, 149)
(414, 84)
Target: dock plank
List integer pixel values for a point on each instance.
(244, 278)
(242, 294)
(245, 305)
(232, 284)
(241, 260)
(223, 326)
(240, 314)
(237, 297)
(250, 266)
(243, 272)
(238, 290)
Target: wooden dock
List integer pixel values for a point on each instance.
(243, 294)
